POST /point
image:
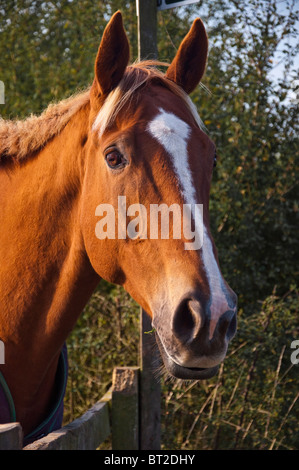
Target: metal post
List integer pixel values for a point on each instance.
(150, 389)
(147, 29)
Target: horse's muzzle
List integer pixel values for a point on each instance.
(196, 339)
(186, 373)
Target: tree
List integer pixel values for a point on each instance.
(254, 198)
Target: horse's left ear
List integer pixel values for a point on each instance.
(188, 66)
(112, 58)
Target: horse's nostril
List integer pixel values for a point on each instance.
(232, 327)
(227, 324)
(187, 320)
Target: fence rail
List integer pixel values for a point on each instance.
(117, 413)
(84, 433)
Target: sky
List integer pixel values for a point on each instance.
(278, 67)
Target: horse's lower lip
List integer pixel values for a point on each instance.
(187, 373)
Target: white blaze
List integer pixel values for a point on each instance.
(173, 134)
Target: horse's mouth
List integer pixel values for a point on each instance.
(187, 373)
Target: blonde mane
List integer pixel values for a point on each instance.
(20, 138)
(137, 75)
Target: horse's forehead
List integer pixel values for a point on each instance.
(168, 128)
(157, 98)
(172, 133)
(180, 141)
(173, 121)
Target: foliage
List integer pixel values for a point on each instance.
(48, 49)
(106, 335)
(251, 404)
(254, 200)
(47, 53)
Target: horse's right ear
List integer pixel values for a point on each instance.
(112, 58)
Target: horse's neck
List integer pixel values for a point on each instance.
(45, 275)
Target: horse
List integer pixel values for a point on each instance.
(133, 135)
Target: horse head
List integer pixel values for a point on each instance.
(147, 154)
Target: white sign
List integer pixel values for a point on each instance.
(164, 4)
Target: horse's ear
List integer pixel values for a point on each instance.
(188, 66)
(112, 58)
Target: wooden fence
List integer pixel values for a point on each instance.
(129, 412)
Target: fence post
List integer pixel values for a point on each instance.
(147, 29)
(125, 408)
(150, 388)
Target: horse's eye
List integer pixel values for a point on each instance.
(115, 159)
